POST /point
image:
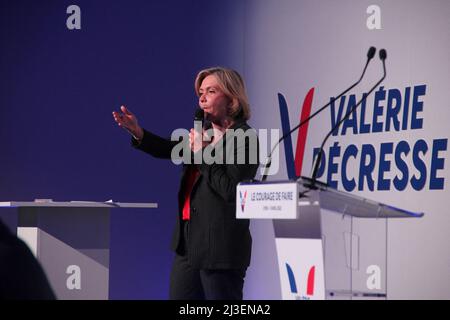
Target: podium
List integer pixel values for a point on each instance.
(71, 241)
(330, 244)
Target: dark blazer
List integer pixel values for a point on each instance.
(216, 239)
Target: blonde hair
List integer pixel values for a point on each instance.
(232, 85)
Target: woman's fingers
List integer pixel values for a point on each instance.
(121, 119)
(191, 138)
(116, 117)
(126, 111)
(198, 140)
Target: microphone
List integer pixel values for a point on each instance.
(199, 115)
(370, 55)
(199, 119)
(383, 56)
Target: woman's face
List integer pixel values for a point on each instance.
(212, 100)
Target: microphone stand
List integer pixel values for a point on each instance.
(370, 55)
(313, 179)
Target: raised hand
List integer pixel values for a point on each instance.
(129, 122)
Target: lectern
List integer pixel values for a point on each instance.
(330, 244)
(70, 240)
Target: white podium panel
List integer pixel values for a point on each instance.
(332, 245)
(71, 241)
(271, 201)
(302, 275)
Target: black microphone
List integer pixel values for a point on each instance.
(383, 56)
(370, 55)
(199, 119)
(199, 115)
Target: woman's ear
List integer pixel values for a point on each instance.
(233, 106)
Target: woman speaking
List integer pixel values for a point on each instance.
(212, 247)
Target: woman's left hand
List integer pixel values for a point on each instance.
(198, 141)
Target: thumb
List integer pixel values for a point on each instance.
(125, 110)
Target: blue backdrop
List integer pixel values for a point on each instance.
(58, 88)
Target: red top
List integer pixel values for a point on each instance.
(192, 175)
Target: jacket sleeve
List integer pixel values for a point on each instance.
(154, 145)
(223, 178)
